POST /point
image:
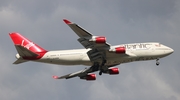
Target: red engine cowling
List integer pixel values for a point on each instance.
(89, 77)
(120, 50)
(113, 71)
(98, 39)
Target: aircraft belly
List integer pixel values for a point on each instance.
(65, 59)
(150, 53)
(64, 62)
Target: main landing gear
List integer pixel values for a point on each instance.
(101, 69)
(100, 72)
(97, 67)
(157, 62)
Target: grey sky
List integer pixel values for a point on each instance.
(121, 21)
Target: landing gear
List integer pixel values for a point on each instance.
(157, 62)
(95, 66)
(100, 72)
(101, 69)
(98, 60)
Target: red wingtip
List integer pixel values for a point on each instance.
(66, 21)
(55, 77)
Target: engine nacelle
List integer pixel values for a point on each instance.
(120, 50)
(98, 39)
(89, 77)
(112, 71)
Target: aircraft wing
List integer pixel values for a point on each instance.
(82, 74)
(71, 75)
(86, 38)
(98, 45)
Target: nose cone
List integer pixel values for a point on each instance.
(169, 50)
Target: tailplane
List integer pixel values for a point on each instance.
(27, 50)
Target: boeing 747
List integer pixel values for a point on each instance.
(98, 54)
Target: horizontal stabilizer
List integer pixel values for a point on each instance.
(18, 61)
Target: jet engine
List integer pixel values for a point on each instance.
(98, 39)
(112, 71)
(89, 77)
(120, 50)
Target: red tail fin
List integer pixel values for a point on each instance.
(26, 48)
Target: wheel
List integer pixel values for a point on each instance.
(100, 72)
(157, 63)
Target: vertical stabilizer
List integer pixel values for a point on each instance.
(26, 48)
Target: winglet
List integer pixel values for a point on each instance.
(67, 21)
(55, 77)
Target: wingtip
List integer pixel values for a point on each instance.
(55, 77)
(67, 21)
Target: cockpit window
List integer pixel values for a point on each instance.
(158, 45)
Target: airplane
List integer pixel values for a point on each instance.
(98, 54)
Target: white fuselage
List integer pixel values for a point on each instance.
(135, 52)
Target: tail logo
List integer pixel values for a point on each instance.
(28, 45)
